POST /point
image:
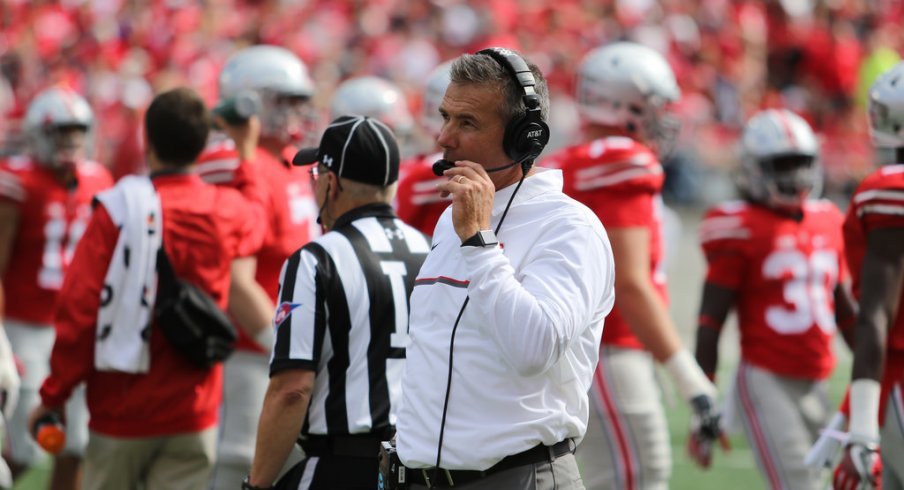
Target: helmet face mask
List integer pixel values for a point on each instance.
(789, 180)
(69, 144)
(289, 118)
(780, 165)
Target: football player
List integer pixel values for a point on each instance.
(45, 203)
(874, 237)
(279, 89)
(777, 258)
(623, 92)
(417, 201)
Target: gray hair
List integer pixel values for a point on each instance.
(362, 192)
(481, 69)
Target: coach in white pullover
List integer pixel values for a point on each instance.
(527, 342)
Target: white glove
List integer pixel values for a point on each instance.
(9, 376)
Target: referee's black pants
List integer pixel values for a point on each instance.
(331, 473)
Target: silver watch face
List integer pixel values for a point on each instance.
(487, 237)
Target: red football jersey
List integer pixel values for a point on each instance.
(52, 219)
(784, 272)
(621, 181)
(417, 202)
(878, 203)
(287, 197)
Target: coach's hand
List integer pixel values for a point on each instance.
(472, 197)
(860, 468)
(704, 431)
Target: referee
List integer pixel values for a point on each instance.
(342, 321)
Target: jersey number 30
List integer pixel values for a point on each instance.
(809, 281)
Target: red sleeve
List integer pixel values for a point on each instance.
(72, 358)
(623, 208)
(12, 188)
(722, 239)
(250, 185)
(246, 225)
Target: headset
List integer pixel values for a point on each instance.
(525, 136)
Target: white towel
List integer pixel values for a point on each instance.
(130, 287)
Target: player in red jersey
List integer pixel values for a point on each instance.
(417, 201)
(623, 93)
(874, 240)
(45, 204)
(279, 86)
(777, 258)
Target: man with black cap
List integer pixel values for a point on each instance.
(342, 319)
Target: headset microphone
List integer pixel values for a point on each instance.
(442, 165)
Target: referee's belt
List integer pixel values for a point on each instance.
(343, 445)
(452, 478)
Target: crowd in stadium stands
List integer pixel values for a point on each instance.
(731, 57)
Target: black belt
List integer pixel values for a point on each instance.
(344, 445)
(452, 478)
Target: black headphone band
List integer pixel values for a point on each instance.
(518, 69)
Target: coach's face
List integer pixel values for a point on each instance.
(473, 126)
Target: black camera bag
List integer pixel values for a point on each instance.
(190, 319)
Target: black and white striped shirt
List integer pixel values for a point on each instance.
(343, 312)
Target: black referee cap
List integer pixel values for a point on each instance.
(358, 148)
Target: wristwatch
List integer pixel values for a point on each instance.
(483, 238)
(246, 485)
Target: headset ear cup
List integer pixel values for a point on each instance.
(525, 138)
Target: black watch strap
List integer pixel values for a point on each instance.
(483, 238)
(246, 485)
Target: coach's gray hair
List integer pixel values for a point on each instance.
(481, 69)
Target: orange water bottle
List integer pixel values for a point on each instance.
(50, 432)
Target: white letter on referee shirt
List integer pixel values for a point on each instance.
(396, 272)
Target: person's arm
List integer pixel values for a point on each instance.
(249, 304)
(75, 321)
(845, 312)
(9, 224)
(716, 303)
(559, 292)
(880, 289)
(714, 308)
(636, 297)
(283, 413)
(646, 313)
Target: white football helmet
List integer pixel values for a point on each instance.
(629, 86)
(434, 91)
(779, 159)
(886, 108)
(52, 110)
(373, 97)
(283, 85)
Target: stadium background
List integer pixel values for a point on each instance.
(732, 57)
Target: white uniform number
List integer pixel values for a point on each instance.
(60, 239)
(396, 272)
(808, 283)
